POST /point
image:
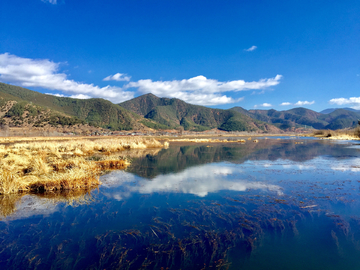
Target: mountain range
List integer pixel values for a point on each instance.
(23, 107)
(173, 113)
(285, 120)
(330, 110)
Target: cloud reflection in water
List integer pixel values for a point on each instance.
(199, 181)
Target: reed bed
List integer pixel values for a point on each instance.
(63, 165)
(40, 138)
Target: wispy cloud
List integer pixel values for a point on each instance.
(120, 77)
(285, 104)
(301, 103)
(45, 74)
(54, 2)
(79, 96)
(258, 92)
(201, 90)
(252, 48)
(354, 102)
(264, 105)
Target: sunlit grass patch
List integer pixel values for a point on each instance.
(63, 165)
(112, 163)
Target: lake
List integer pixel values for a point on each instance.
(281, 203)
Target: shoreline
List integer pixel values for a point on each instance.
(42, 164)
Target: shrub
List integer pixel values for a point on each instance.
(16, 110)
(357, 132)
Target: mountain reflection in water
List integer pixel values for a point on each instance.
(267, 205)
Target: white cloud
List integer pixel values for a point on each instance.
(54, 2)
(252, 48)
(265, 105)
(285, 104)
(353, 101)
(198, 90)
(45, 74)
(301, 103)
(78, 96)
(201, 90)
(56, 94)
(118, 77)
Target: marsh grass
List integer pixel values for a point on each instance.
(346, 134)
(64, 165)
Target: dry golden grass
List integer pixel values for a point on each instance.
(63, 165)
(340, 134)
(39, 138)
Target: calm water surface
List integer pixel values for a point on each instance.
(276, 204)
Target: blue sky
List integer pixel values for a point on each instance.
(253, 54)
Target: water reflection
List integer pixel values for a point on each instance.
(270, 205)
(199, 181)
(15, 206)
(179, 157)
(349, 165)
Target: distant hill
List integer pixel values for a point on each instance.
(97, 112)
(330, 110)
(175, 112)
(337, 119)
(21, 107)
(341, 118)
